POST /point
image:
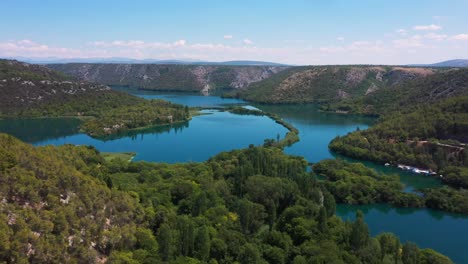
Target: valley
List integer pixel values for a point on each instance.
(198, 139)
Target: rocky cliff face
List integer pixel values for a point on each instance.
(169, 77)
(330, 83)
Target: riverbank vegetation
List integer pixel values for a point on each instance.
(258, 205)
(354, 183)
(291, 137)
(34, 91)
(428, 137)
(146, 114)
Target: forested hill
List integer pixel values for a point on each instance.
(68, 204)
(169, 77)
(56, 208)
(420, 91)
(329, 83)
(29, 90)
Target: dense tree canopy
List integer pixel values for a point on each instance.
(258, 205)
(354, 183)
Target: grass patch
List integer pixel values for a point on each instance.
(110, 156)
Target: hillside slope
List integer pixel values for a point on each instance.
(55, 209)
(28, 90)
(25, 88)
(329, 83)
(68, 205)
(428, 90)
(451, 63)
(169, 77)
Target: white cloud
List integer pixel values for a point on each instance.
(431, 27)
(180, 42)
(332, 49)
(435, 36)
(228, 36)
(438, 18)
(247, 42)
(402, 31)
(357, 47)
(340, 38)
(422, 48)
(28, 47)
(460, 37)
(412, 42)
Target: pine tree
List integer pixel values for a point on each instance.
(322, 220)
(410, 254)
(165, 242)
(202, 244)
(359, 232)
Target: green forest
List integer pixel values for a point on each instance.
(34, 91)
(406, 94)
(428, 137)
(337, 87)
(424, 136)
(68, 204)
(354, 183)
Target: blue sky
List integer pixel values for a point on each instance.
(293, 31)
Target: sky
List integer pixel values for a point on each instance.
(299, 32)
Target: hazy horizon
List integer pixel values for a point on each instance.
(294, 32)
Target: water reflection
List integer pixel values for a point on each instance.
(33, 130)
(140, 133)
(194, 99)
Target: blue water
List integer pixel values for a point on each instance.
(201, 138)
(316, 129)
(206, 135)
(444, 232)
(189, 99)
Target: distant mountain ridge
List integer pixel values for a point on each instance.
(448, 63)
(177, 77)
(146, 61)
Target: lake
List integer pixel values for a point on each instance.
(206, 135)
(203, 137)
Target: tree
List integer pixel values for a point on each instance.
(200, 204)
(370, 253)
(186, 237)
(165, 242)
(329, 203)
(122, 258)
(251, 215)
(109, 182)
(323, 220)
(5, 234)
(274, 255)
(249, 254)
(300, 260)
(410, 254)
(389, 244)
(202, 243)
(359, 232)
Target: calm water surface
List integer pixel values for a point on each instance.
(445, 232)
(201, 138)
(207, 135)
(189, 99)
